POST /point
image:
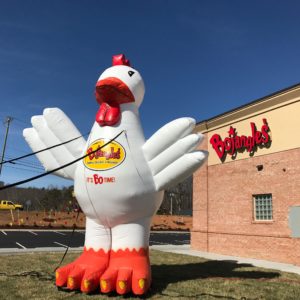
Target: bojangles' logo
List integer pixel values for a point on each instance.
(234, 143)
(108, 157)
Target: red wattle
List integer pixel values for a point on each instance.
(108, 114)
(100, 116)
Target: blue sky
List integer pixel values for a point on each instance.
(197, 58)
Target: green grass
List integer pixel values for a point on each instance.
(174, 277)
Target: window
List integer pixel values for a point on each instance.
(263, 208)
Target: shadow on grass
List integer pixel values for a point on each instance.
(166, 274)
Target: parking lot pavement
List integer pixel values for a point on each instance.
(29, 239)
(51, 239)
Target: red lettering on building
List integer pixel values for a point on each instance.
(234, 143)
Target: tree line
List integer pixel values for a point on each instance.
(177, 200)
(51, 198)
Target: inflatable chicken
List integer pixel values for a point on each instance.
(119, 183)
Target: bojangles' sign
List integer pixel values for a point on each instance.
(235, 143)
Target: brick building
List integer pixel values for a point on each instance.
(246, 199)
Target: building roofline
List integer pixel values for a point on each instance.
(262, 99)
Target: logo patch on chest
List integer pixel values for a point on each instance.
(106, 158)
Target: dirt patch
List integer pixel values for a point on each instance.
(40, 219)
(166, 222)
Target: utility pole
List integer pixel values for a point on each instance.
(7, 123)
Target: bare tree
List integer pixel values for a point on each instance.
(179, 199)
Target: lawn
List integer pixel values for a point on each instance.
(30, 276)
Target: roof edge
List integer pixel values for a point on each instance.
(249, 104)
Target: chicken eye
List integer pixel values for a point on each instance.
(130, 73)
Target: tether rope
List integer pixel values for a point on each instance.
(59, 168)
(39, 151)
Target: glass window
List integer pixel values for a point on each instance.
(263, 207)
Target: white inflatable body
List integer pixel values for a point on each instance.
(115, 183)
(120, 186)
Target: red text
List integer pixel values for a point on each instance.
(234, 143)
(112, 154)
(96, 179)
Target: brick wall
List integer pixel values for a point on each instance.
(223, 219)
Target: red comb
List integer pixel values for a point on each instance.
(120, 60)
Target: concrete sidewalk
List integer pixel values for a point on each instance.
(185, 249)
